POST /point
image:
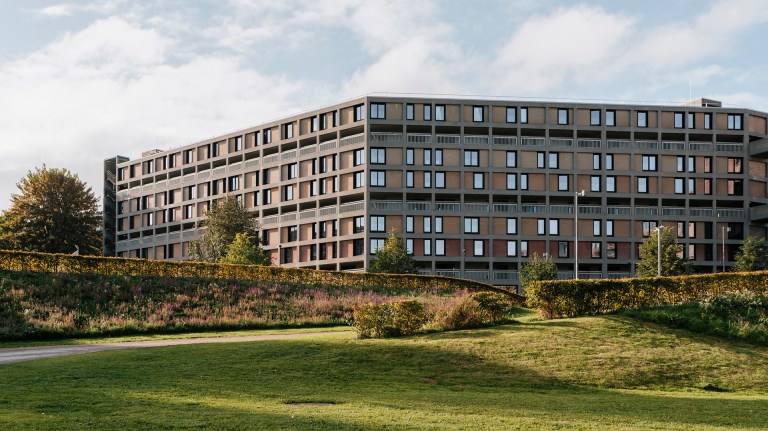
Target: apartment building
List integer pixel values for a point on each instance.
(473, 186)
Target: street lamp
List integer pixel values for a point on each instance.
(658, 249)
(725, 229)
(576, 234)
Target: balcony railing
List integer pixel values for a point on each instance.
(386, 137)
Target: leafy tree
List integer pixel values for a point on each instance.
(225, 219)
(54, 212)
(537, 269)
(245, 250)
(393, 258)
(752, 256)
(672, 260)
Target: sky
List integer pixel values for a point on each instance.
(82, 81)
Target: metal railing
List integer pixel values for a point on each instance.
(386, 137)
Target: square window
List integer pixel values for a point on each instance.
(471, 225)
(378, 111)
(376, 245)
(735, 122)
(649, 163)
(735, 165)
(378, 156)
(378, 179)
(471, 158)
(378, 224)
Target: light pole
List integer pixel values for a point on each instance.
(658, 250)
(725, 229)
(576, 234)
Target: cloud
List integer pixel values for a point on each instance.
(56, 10)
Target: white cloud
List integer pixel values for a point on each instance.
(56, 10)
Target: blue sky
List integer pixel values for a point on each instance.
(83, 81)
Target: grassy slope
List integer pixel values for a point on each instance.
(588, 373)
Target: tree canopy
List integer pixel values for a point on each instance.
(537, 269)
(225, 219)
(54, 212)
(752, 256)
(672, 260)
(245, 250)
(393, 258)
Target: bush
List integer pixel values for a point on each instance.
(571, 298)
(461, 314)
(389, 320)
(493, 305)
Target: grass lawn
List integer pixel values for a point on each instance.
(610, 373)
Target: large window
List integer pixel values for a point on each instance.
(359, 113)
(440, 180)
(648, 227)
(359, 224)
(735, 122)
(376, 244)
(471, 158)
(378, 156)
(378, 111)
(649, 163)
(735, 187)
(359, 179)
(471, 225)
(735, 165)
(378, 179)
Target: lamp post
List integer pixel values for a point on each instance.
(725, 229)
(658, 250)
(576, 234)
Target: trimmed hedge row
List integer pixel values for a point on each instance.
(572, 298)
(30, 261)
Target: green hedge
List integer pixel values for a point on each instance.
(571, 298)
(29, 261)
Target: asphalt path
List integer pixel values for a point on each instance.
(21, 354)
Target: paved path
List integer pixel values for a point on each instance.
(21, 354)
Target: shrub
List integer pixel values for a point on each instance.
(493, 306)
(389, 320)
(460, 314)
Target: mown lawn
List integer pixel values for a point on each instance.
(608, 373)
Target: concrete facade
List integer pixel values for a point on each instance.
(474, 186)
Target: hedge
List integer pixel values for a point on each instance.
(572, 298)
(31, 261)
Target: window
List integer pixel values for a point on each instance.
(292, 171)
(596, 228)
(427, 224)
(610, 184)
(734, 122)
(679, 186)
(234, 184)
(524, 115)
(523, 181)
(609, 228)
(266, 197)
(359, 113)
(679, 123)
(511, 181)
(680, 163)
(378, 224)
(477, 114)
(359, 179)
(540, 159)
(511, 159)
(427, 247)
(648, 227)
(735, 187)
(691, 121)
(708, 164)
(440, 180)
(691, 186)
(357, 247)
(313, 125)
(594, 183)
(439, 247)
(610, 250)
(378, 111)
(478, 180)
(707, 120)
(376, 245)
(471, 158)
(511, 248)
(596, 162)
(642, 184)
(691, 229)
(610, 118)
(409, 179)
(438, 224)
(478, 248)
(511, 226)
(427, 157)
(288, 193)
(511, 115)
(471, 225)
(409, 156)
(439, 112)
(378, 156)
(427, 112)
(541, 226)
(323, 125)
(187, 212)
(359, 158)
(707, 186)
(524, 248)
(735, 165)
(438, 157)
(562, 183)
(287, 130)
(427, 179)
(649, 163)
(562, 249)
(597, 250)
(642, 118)
(692, 164)
(267, 136)
(562, 116)
(609, 162)
(554, 226)
(408, 224)
(594, 117)
(378, 178)
(359, 224)
(186, 158)
(554, 160)
(409, 110)
(293, 233)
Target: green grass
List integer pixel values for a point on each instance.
(598, 373)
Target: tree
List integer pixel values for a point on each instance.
(752, 256)
(393, 258)
(245, 250)
(672, 260)
(54, 212)
(537, 269)
(225, 219)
